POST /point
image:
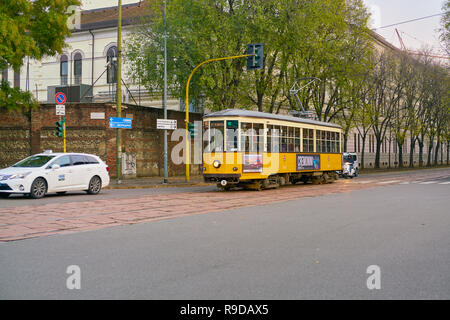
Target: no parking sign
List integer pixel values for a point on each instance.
(60, 98)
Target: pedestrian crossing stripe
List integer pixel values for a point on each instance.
(428, 182)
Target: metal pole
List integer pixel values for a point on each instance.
(165, 92)
(64, 134)
(119, 93)
(187, 147)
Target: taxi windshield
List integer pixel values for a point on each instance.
(33, 161)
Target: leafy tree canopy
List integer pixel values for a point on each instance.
(30, 29)
(302, 38)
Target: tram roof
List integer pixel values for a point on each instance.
(257, 114)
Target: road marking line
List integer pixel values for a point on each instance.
(386, 182)
(428, 182)
(364, 182)
(447, 182)
(407, 182)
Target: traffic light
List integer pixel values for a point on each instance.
(59, 128)
(192, 128)
(256, 60)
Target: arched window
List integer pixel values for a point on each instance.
(77, 67)
(111, 59)
(63, 69)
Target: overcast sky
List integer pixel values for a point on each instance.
(385, 12)
(414, 34)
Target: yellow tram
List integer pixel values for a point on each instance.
(259, 150)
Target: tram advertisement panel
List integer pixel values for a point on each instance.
(252, 163)
(308, 162)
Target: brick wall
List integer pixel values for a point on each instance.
(30, 133)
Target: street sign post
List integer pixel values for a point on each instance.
(120, 123)
(166, 124)
(60, 99)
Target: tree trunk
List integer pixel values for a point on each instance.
(420, 142)
(448, 147)
(363, 151)
(377, 153)
(411, 152)
(400, 154)
(390, 143)
(345, 142)
(436, 151)
(430, 149)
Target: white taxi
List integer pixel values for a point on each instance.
(54, 172)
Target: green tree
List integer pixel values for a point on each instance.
(301, 38)
(29, 29)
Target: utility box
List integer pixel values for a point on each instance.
(74, 93)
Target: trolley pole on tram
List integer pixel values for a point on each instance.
(187, 148)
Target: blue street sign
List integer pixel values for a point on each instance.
(123, 123)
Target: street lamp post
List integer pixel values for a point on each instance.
(165, 92)
(187, 147)
(119, 93)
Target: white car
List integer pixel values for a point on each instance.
(54, 172)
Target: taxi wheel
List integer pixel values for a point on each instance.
(38, 188)
(95, 185)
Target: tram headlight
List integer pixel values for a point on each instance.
(216, 164)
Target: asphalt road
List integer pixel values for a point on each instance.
(310, 248)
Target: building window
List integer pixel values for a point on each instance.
(5, 74)
(111, 59)
(77, 68)
(17, 79)
(63, 69)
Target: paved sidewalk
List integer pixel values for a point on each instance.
(156, 182)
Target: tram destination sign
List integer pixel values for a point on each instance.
(308, 162)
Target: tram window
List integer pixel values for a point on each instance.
(247, 137)
(290, 140)
(308, 140)
(284, 139)
(338, 142)
(258, 138)
(216, 136)
(319, 141)
(269, 137)
(333, 142)
(297, 140)
(232, 135)
(275, 141)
